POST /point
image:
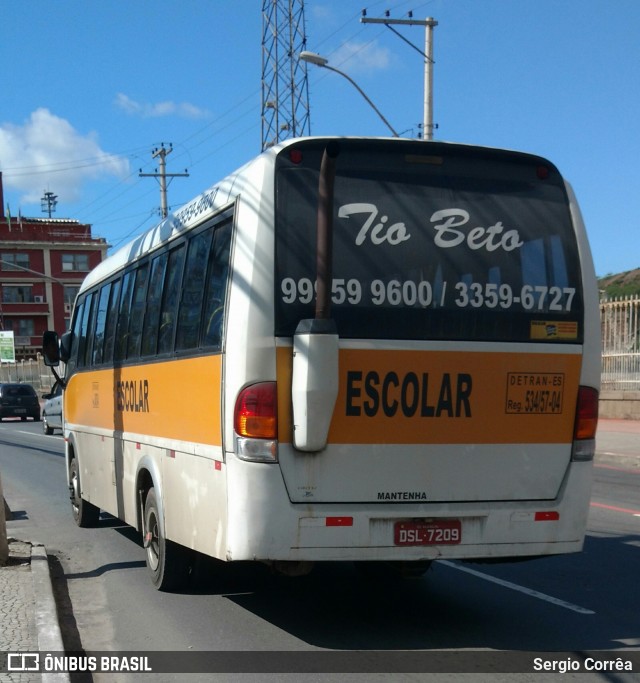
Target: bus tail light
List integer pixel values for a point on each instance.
(584, 432)
(255, 421)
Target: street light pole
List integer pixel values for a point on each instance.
(429, 23)
(318, 60)
(44, 276)
(34, 272)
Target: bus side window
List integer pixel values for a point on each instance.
(77, 323)
(122, 333)
(216, 286)
(112, 322)
(83, 337)
(101, 320)
(154, 302)
(138, 303)
(193, 291)
(170, 300)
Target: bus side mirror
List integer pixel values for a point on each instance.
(65, 346)
(50, 349)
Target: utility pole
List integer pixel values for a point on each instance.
(429, 23)
(161, 153)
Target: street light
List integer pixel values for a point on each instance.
(318, 60)
(35, 272)
(44, 276)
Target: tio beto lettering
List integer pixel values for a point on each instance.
(448, 235)
(380, 233)
(491, 238)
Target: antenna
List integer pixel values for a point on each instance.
(48, 203)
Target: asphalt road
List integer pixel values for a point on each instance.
(571, 604)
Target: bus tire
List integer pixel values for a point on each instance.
(167, 561)
(85, 514)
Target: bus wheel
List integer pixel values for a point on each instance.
(85, 514)
(167, 561)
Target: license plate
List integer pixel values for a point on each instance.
(434, 532)
(19, 411)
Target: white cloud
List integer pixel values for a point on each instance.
(322, 12)
(358, 57)
(148, 110)
(46, 152)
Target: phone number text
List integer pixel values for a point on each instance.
(409, 293)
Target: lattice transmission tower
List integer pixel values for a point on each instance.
(285, 90)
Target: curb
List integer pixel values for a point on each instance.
(49, 634)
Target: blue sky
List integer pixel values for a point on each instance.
(89, 89)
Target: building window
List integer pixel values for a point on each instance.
(21, 327)
(75, 262)
(70, 294)
(17, 294)
(12, 261)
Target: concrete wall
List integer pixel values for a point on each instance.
(621, 405)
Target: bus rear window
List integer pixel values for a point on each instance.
(451, 243)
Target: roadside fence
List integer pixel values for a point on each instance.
(32, 371)
(620, 325)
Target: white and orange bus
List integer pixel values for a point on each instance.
(373, 350)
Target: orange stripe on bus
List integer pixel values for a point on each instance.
(178, 399)
(445, 397)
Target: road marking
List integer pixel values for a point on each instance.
(627, 470)
(635, 513)
(24, 431)
(520, 589)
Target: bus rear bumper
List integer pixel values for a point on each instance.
(396, 531)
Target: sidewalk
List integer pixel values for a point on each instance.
(28, 615)
(17, 606)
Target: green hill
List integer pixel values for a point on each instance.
(622, 284)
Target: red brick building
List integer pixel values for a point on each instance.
(43, 262)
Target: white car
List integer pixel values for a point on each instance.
(52, 410)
